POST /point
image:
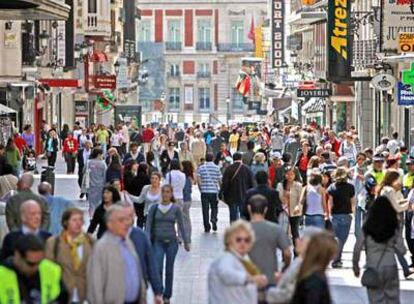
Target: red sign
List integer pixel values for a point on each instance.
(61, 83)
(105, 82)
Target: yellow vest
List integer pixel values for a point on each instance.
(50, 276)
(379, 176)
(408, 180)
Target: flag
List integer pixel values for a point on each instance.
(243, 84)
(252, 33)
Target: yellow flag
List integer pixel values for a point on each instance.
(259, 42)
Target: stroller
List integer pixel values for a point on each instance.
(29, 161)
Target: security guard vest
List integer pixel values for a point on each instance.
(408, 180)
(50, 276)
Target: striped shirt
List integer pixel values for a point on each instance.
(209, 177)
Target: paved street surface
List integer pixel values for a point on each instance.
(190, 282)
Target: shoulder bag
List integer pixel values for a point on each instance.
(221, 192)
(370, 277)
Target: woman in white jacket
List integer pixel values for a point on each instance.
(233, 277)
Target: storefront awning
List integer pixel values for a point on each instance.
(6, 110)
(98, 56)
(314, 105)
(33, 10)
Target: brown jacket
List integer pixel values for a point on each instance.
(58, 251)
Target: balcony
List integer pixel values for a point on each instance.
(173, 46)
(173, 75)
(204, 74)
(204, 46)
(96, 25)
(235, 47)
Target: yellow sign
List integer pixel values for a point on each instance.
(340, 9)
(308, 2)
(259, 41)
(406, 42)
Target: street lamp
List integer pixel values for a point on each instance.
(228, 109)
(116, 67)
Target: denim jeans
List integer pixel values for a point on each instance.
(235, 212)
(341, 225)
(209, 201)
(315, 221)
(169, 250)
(359, 220)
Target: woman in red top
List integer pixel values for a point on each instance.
(303, 160)
(70, 151)
(20, 143)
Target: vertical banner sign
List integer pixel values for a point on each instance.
(397, 16)
(129, 29)
(339, 40)
(278, 33)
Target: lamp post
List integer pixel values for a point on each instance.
(228, 109)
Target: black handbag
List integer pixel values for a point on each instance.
(370, 278)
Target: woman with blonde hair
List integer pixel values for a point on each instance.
(233, 277)
(312, 285)
(259, 163)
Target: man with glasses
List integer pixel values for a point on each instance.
(30, 278)
(114, 272)
(31, 217)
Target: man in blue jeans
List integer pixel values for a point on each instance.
(208, 180)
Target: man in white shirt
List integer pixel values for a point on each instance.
(176, 179)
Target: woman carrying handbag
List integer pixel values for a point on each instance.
(382, 241)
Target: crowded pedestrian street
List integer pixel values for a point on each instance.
(206, 151)
(192, 268)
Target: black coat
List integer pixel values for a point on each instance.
(313, 289)
(55, 144)
(9, 242)
(165, 160)
(235, 186)
(274, 204)
(98, 219)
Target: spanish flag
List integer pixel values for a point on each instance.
(243, 84)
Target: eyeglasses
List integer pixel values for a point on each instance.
(246, 240)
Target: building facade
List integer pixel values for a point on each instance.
(192, 52)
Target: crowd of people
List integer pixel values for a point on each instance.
(293, 189)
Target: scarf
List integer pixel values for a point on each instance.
(74, 244)
(248, 265)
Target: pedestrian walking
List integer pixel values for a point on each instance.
(151, 194)
(24, 193)
(289, 194)
(208, 180)
(13, 156)
(198, 148)
(341, 206)
(313, 200)
(269, 238)
(29, 271)
(31, 219)
(286, 281)
(71, 250)
(70, 151)
(167, 156)
(95, 173)
(114, 170)
(110, 196)
(114, 271)
(57, 205)
(188, 170)
(233, 277)
(83, 156)
(51, 147)
(259, 163)
(303, 159)
(312, 285)
(160, 227)
(237, 179)
(381, 237)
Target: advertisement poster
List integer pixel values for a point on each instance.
(397, 17)
(339, 41)
(129, 114)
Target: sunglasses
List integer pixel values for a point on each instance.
(246, 240)
(32, 264)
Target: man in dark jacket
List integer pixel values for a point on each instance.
(237, 179)
(31, 216)
(134, 154)
(143, 248)
(274, 206)
(83, 156)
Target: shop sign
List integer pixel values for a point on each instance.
(105, 82)
(122, 80)
(339, 41)
(397, 17)
(278, 33)
(383, 82)
(128, 113)
(254, 105)
(406, 42)
(405, 95)
(81, 107)
(304, 93)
